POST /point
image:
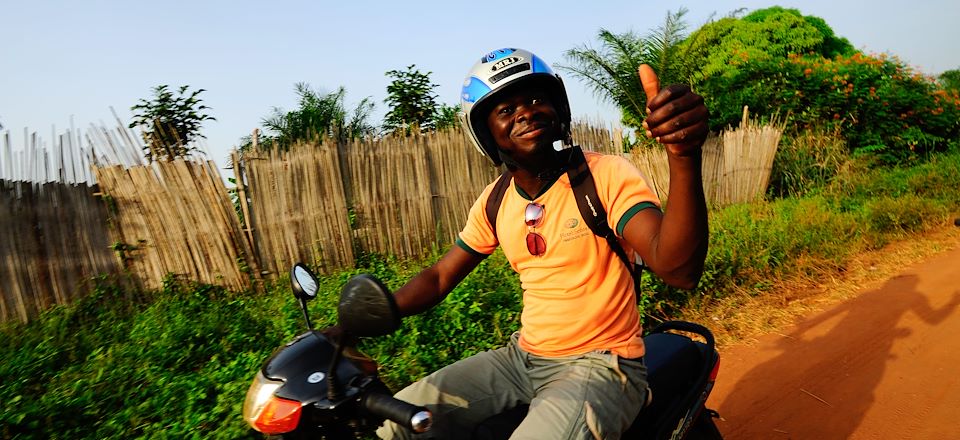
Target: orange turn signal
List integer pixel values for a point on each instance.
(278, 416)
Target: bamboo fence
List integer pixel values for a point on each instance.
(458, 175)
(748, 155)
(391, 196)
(294, 207)
(53, 239)
(401, 196)
(320, 203)
(55, 234)
(116, 146)
(406, 196)
(736, 164)
(652, 162)
(176, 218)
(53, 231)
(68, 162)
(593, 137)
(712, 170)
(70, 155)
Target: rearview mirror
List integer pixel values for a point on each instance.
(304, 283)
(367, 308)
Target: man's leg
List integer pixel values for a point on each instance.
(465, 393)
(593, 396)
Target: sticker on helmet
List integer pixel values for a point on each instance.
(504, 63)
(509, 71)
(474, 90)
(496, 55)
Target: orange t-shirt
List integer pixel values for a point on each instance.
(578, 296)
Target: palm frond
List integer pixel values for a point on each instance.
(611, 71)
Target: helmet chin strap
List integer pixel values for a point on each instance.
(567, 139)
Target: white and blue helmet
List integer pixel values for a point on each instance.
(493, 73)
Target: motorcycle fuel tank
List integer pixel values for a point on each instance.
(304, 365)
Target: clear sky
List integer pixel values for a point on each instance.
(74, 59)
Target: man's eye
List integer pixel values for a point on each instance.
(505, 111)
(536, 100)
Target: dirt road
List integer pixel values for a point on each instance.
(883, 365)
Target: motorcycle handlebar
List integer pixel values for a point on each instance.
(415, 418)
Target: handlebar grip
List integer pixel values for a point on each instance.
(415, 418)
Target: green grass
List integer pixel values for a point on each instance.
(176, 363)
(859, 210)
(111, 366)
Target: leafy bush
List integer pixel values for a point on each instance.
(318, 116)
(752, 243)
(170, 123)
(778, 61)
(901, 215)
(719, 50)
(950, 80)
(112, 366)
(179, 363)
(937, 179)
(882, 107)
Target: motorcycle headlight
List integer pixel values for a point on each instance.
(268, 413)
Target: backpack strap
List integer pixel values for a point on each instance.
(496, 197)
(592, 212)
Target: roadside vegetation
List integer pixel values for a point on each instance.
(176, 363)
(870, 156)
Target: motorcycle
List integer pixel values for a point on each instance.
(320, 386)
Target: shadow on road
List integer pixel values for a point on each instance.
(819, 381)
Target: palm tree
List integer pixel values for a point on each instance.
(318, 116)
(611, 71)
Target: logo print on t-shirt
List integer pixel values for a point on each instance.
(571, 223)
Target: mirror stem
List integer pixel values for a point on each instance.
(306, 316)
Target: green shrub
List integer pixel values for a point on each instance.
(806, 161)
(115, 366)
(881, 105)
(752, 243)
(860, 209)
(903, 214)
(937, 179)
(722, 48)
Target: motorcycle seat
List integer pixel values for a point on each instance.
(672, 360)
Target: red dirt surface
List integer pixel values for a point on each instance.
(882, 365)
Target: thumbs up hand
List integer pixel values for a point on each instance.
(676, 116)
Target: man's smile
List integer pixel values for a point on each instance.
(533, 130)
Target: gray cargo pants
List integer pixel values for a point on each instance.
(595, 395)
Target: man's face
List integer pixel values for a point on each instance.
(524, 122)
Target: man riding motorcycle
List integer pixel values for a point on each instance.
(578, 357)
